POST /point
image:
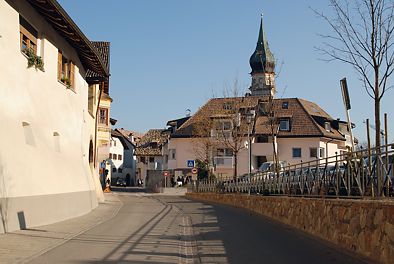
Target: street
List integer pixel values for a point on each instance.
(171, 229)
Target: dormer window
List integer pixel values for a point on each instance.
(285, 105)
(284, 124)
(228, 106)
(327, 126)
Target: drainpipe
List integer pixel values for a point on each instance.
(327, 149)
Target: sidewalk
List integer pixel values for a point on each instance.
(23, 245)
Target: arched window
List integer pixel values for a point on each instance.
(91, 152)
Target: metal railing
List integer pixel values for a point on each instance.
(357, 174)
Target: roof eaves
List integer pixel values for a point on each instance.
(90, 55)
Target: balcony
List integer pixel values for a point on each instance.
(223, 162)
(262, 149)
(104, 128)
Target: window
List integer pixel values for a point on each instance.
(91, 98)
(120, 170)
(262, 139)
(172, 153)
(285, 105)
(327, 126)
(110, 155)
(296, 152)
(322, 152)
(284, 125)
(65, 70)
(142, 159)
(228, 106)
(151, 159)
(223, 125)
(103, 116)
(28, 36)
(119, 157)
(313, 152)
(224, 152)
(114, 156)
(113, 169)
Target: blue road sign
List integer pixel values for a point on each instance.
(190, 163)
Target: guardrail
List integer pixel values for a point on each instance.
(356, 174)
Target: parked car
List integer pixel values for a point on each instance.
(121, 182)
(269, 166)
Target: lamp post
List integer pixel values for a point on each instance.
(249, 119)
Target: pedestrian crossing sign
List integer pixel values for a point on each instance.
(190, 163)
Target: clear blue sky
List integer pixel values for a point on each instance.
(173, 55)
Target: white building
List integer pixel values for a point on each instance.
(47, 149)
(122, 158)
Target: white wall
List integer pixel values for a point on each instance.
(34, 162)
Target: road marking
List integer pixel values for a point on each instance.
(187, 242)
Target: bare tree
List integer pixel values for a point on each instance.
(202, 142)
(363, 37)
(231, 126)
(272, 122)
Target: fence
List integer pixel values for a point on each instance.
(357, 174)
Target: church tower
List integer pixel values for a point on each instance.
(262, 63)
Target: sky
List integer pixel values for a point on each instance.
(170, 56)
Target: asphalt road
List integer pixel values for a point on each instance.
(168, 229)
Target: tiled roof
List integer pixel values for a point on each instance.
(302, 122)
(103, 49)
(122, 138)
(215, 108)
(129, 133)
(306, 118)
(151, 143)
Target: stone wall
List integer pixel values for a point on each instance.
(362, 226)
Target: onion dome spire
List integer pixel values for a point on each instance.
(262, 60)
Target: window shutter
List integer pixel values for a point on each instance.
(72, 74)
(59, 65)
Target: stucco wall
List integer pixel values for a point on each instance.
(184, 152)
(363, 226)
(34, 107)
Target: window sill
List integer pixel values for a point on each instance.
(25, 55)
(67, 87)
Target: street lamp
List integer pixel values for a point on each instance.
(249, 120)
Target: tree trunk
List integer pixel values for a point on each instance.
(377, 132)
(235, 165)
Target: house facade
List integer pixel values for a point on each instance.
(149, 152)
(47, 155)
(122, 158)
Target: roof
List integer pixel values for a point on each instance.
(59, 19)
(307, 118)
(178, 122)
(129, 133)
(103, 48)
(124, 140)
(214, 108)
(151, 143)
